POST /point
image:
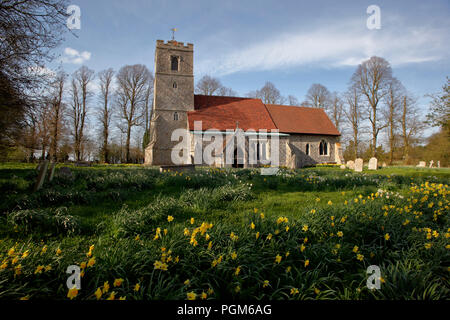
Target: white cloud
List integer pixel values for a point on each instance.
(334, 46)
(73, 56)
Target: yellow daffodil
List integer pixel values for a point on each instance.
(98, 293)
(118, 282)
(38, 269)
(91, 262)
(72, 293)
(191, 295)
(278, 259)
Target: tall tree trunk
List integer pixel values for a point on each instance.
(128, 143)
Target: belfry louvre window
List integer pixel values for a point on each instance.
(175, 116)
(323, 148)
(174, 63)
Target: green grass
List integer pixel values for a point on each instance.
(123, 211)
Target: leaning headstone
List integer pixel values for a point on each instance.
(359, 165)
(422, 164)
(65, 172)
(51, 173)
(373, 164)
(41, 176)
(351, 165)
(431, 163)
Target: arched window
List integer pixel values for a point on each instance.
(175, 116)
(174, 63)
(323, 148)
(307, 149)
(175, 85)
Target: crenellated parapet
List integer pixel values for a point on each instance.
(172, 44)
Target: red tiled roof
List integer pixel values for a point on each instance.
(222, 113)
(290, 119)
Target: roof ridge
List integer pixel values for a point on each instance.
(270, 115)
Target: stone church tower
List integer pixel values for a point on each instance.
(173, 97)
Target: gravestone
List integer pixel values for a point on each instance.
(373, 164)
(343, 166)
(431, 163)
(351, 165)
(422, 164)
(51, 172)
(41, 176)
(384, 165)
(65, 172)
(359, 165)
(439, 164)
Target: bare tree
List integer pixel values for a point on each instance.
(28, 31)
(439, 113)
(318, 96)
(43, 127)
(269, 94)
(335, 109)
(353, 116)
(56, 116)
(132, 85)
(372, 78)
(148, 99)
(292, 100)
(79, 106)
(411, 123)
(207, 85)
(226, 92)
(104, 115)
(395, 90)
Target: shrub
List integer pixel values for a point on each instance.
(55, 221)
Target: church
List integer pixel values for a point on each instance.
(305, 136)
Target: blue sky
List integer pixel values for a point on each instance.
(290, 43)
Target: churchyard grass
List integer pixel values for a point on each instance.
(225, 234)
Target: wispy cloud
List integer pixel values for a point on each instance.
(333, 46)
(73, 56)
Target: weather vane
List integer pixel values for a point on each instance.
(173, 33)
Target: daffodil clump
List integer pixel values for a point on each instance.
(218, 237)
